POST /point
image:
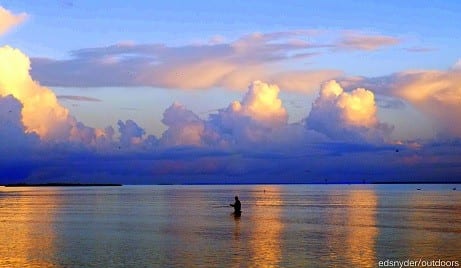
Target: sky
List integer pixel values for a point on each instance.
(230, 92)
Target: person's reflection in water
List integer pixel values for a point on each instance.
(237, 207)
(238, 246)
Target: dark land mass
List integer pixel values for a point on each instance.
(417, 182)
(58, 184)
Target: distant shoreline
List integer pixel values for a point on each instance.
(301, 183)
(60, 184)
(198, 184)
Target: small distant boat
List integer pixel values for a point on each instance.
(454, 189)
(418, 189)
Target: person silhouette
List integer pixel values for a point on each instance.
(237, 206)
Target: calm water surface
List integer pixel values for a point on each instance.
(191, 226)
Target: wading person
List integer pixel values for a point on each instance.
(237, 206)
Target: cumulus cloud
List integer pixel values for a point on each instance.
(12, 132)
(346, 115)
(130, 133)
(8, 20)
(254, 118)
(249, 141)
(261, 104)
(184, 127)
(41, 112)
(251, 120)
(366, 42)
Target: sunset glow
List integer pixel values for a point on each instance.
(246, 102)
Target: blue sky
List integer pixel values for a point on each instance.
(147, 61)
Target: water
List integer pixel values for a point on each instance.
(191, 226)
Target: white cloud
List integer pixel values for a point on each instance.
(346, 115)
(41, 112)
(261, 104)
(184, 127)
(251, 120)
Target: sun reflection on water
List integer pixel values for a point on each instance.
(265, 241)
(362, 231)
(27, 238)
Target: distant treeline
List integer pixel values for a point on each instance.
(57, 184)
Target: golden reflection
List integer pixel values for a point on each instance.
(237, 258)
(362, 231)
(28, 238)
(265, 240)
(351, 230)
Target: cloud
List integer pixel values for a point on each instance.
(261, 104)
(8, 20)
(12, 132)
(41, 112)
(387, 102)
(302, 81)
(130, 133)
(77, 98)
(184, 127)
(420, 49)
(366, 42)
(254, 118)
(227, 64)
(346, 115)
(435, 93)
(249, 141)
(232, 64)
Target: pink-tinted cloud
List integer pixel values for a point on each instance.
(435, 93)
(252, 120)
(184, 127)
(228, 64)
(366, 42)
(232, 64)
(9, 20)
(302, 81)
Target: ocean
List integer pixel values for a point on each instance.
(193, 226)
